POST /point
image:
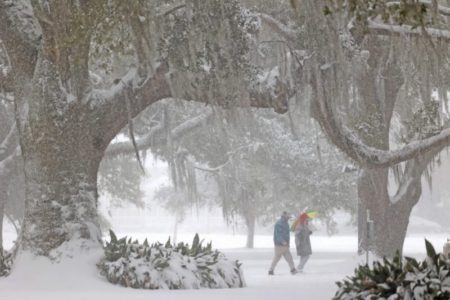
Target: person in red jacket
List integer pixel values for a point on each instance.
(302, 240)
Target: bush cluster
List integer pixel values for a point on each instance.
(399, 278)
(157, 266)
(6, 261)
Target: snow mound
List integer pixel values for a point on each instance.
(158, 266)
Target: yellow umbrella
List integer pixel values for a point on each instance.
(311, 213)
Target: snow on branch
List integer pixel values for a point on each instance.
(406, 30)
(283, 30)
(142, 92)
(189, 125)
(146, 141)
(373, 157)
(128, 148)
(352, 145)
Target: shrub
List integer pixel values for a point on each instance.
(399, 279)
(168, 266)
(6, 261)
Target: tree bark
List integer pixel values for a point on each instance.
(2, 213)
(61, 160)
(390, 220)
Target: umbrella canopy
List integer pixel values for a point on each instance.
(311, 213)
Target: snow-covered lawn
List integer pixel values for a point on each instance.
(333, 259)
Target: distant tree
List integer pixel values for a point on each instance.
(257, 165)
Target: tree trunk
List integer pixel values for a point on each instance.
(390, 220)
(61, 154)
(2, 212)
(250, 221)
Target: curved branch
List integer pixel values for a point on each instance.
(412, 177)
(355, 148)
(109, 106)
(146, 141)
(406, 30)
(283, 30)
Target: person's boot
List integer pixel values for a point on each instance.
(294, 271)
(270, 272)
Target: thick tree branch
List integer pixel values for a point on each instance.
(146, 141)
(354, 147)
(411, 178)
(20, 33)
(109, 106)
(406, 30)
(278, 27)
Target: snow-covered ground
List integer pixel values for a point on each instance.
(333, 259)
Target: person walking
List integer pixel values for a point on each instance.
(281, 236)
(303, 241)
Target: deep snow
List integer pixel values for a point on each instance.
(78, 279)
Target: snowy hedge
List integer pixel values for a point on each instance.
(400, 279)
(168, 266)
(6, 261)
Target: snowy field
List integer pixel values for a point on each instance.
(333, 259)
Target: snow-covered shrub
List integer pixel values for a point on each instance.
(6, 260)
(168, 266)
(400, 279)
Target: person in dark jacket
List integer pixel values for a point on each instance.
(281, 236)
(302, 240)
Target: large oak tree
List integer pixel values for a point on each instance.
(66, 119)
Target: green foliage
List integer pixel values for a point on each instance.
(131, 264)
(400, 279)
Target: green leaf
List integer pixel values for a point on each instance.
(196, 241)
(168, 244)
(113, 236)
(430, 250)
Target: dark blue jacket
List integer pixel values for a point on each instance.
(281, 232)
